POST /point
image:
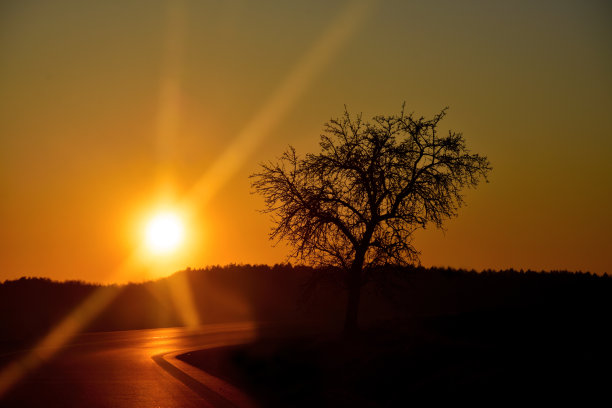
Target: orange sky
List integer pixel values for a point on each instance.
(113, 109)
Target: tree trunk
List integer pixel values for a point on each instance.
(351, 325)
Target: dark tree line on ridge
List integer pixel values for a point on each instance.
(29, 307)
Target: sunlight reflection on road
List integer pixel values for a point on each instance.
(122, 368)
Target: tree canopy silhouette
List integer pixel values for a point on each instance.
(357, 203)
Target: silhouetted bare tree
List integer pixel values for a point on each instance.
(356, 204)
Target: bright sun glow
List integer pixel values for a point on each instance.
(164, 233)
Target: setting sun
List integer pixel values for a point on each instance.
(164, 233)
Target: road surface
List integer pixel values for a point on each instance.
(131, 369)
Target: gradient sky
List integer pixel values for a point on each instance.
(112, 109)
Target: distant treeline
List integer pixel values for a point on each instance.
(30, 307)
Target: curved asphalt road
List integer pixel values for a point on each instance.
(132, 369)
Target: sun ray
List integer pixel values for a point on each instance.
(339, 31)
(169, 114)
(68, 327)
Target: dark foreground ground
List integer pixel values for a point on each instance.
(492, 357)
(459, 336)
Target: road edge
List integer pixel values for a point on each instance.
(213, 389)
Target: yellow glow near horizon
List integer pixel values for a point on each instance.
(164, 233)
